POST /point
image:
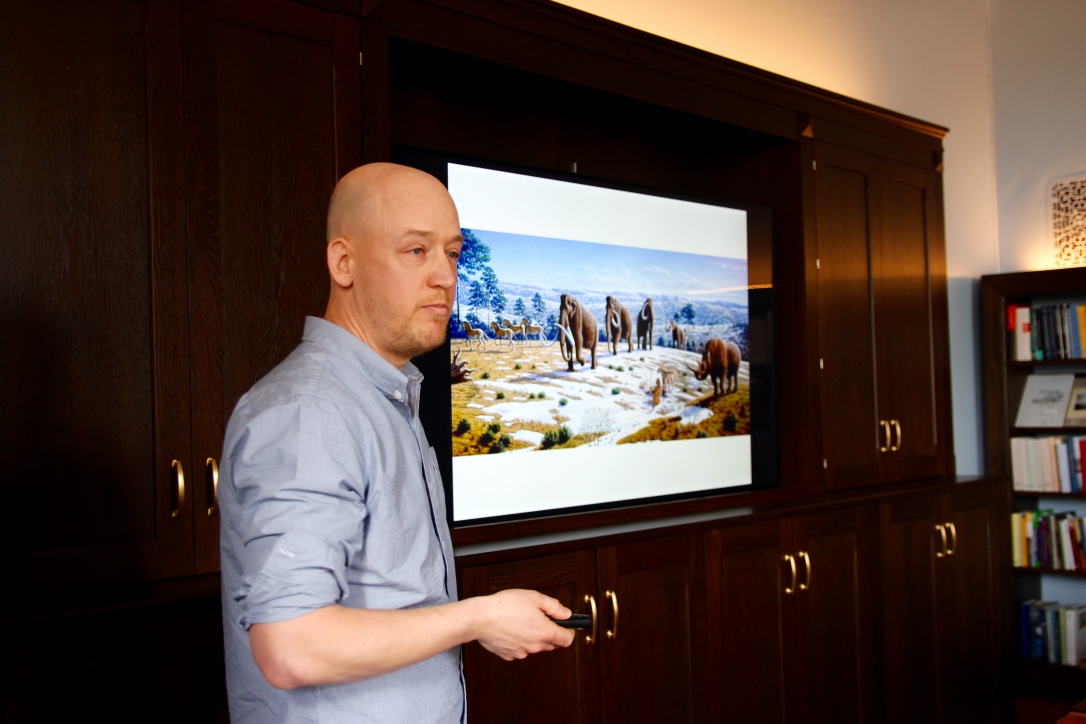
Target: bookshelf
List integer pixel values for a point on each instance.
(1005, 379)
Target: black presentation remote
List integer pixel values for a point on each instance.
(577, 620)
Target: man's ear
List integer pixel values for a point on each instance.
(340, 262)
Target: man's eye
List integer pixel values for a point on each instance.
(416, 251)
(455, 255)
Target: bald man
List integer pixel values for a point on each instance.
(339, 593)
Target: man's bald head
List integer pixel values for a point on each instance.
(393, 244)
(365, 196)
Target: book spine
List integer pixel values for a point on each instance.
(1036, 337)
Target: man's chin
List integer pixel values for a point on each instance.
(424, 343)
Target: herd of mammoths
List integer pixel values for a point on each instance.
(579, 334)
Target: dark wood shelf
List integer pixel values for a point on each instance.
(1051, 571)
(1047, 362)
(1051, 682)
(1041, 494)
(1022, 431)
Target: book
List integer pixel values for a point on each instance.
(1081, 308)
(1080, 639)
(1053, 618)
(1037, 631)
(1016, 540)
(1024, 627)
(1018, 322)
(1036, 338)
(1044, 400)
(1062, 464)
(1073, 333)
(1076, 405)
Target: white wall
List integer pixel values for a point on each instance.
(931, 59)
(1039, 69)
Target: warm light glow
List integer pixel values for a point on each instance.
(730, 289)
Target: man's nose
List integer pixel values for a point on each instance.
(444, 273)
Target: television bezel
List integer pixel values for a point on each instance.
(436, 408)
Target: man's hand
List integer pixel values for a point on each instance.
(516, 623)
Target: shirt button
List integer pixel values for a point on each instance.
(398, 395)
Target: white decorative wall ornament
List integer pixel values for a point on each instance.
(1067, 217)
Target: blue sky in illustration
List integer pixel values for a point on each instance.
(607, 268)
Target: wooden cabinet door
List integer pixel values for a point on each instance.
(844, 208)
(650, 642)
(948, 616)
(909, 301)
(273, 119)
(745, 581)
(882, 319)
(832, 644)
(908, 565)
(556, 686)
(94, 358)
(975, 604)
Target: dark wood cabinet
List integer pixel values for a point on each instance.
(641, 661)
(170, 213)
(94, 313)
(162, 225)
(882, 315)
(272, 120)
(790, 618)
(946, 605)
(169, 167)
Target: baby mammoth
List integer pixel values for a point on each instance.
(720, 360)
(578, 331)
(619, 325)
(678, 335)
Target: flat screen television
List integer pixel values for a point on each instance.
(675, 297)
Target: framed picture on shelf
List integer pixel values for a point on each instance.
(1076, 406)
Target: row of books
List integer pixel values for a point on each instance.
(1048, 331)
(1049, 540)
(1053, 632)
(1050, 464)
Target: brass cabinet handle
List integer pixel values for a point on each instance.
(612, 633)
(213, 483)
(897, 427)
(591, 601)
(886, 427)
(789, 590)
(807, 569)
(953, 538)
(942, 534)
(179, 488)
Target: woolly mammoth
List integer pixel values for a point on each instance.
(578, 331)
(619, 325)
(720, 360)
(678, 335)
(645, 321)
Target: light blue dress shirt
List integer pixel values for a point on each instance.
(330, 494)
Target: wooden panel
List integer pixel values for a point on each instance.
(977, 639)
(834, 647)
(557, 686)
(273, 116)
(906, 335)
(844, 187)
(745, 580)
(160, 661)
(80, 399)
(909, 589)
(649, 665)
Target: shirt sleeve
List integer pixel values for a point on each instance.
(299, 509)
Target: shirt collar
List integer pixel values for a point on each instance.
(395, 384)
